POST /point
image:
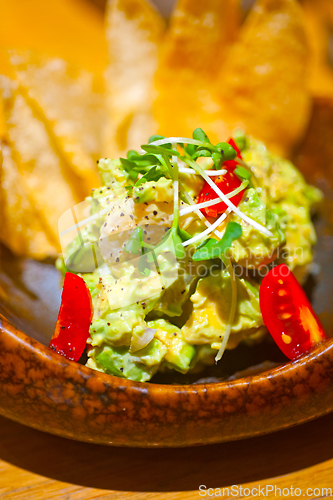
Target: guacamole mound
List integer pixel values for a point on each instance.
(155, 305)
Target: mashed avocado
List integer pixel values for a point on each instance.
(160, 278)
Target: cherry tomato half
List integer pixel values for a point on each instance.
(227, 183)
(288, 314)
(72, 328)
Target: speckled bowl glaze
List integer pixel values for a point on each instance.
(41, 389)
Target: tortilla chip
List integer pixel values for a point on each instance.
(134, 32)
(71, 107)
(193, 51)
(262, 85)
(21, 228)
(319, 28)
(50, 185)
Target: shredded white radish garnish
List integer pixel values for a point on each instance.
(200, 214)
(216, 232)
(240, 214)
(232, 313)
(83, 222)
(195, 166)
(198, 206)
(175, 182)
(206, 231)
(176, 140)
(211, 173)
(176, 193)
(210, 203)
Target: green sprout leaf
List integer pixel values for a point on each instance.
(132, 154)
(200, 135)
(130, 167)
(135, 243)
(136, 164)
(209, 250)
(226, 150)
(202, 152)
(217, 159)
(177, 242)
(154, 174)
(240, 139)
(213, 249)
(143, 265)
(184, 235)
(154, 138)
(160, 150)
(190, 149)
(242, 173)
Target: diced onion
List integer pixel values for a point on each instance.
(139, 342)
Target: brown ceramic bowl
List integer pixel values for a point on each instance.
(41, 389)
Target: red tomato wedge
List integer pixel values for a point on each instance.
(288, 314)
(227, 183)
(75, 315)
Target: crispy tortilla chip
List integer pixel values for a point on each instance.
(134, 32)
(21, 228)
(71, 107)
(193, 52)
(319, 28)
(262, 85)
(50, 185)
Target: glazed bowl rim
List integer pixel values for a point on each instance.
(57, 360)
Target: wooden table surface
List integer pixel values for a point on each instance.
(39, 466)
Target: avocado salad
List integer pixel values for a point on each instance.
(174, 245)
